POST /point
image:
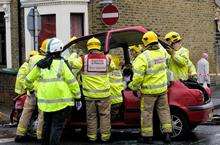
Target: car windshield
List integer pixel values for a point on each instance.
(128, 38)
(79, 45)
(116, 39)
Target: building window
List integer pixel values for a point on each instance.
(2, 40)
(48, 27)
(77, 24)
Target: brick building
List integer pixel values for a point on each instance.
(10, 42)
(194, 20)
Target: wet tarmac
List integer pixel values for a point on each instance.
(202, 135)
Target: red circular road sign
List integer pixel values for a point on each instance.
(110, 14)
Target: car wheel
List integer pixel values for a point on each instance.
(179, 124)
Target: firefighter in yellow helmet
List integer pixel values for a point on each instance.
(135, 50)
(117, 85)
(57, 89)
(95, 67)
(30, 102)
(179, 62)
(22, 72)
(150, 76)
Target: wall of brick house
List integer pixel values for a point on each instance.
(194, 20)
(14, 34)
(7, 88)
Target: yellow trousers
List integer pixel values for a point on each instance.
(29, 107)
(160, 103)
(103, 108)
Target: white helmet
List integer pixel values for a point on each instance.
(54, 45)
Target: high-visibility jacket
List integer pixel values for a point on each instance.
(57, 86)
(71, 59)
(203, 71)
(150, 72)
(20, 79)
(116, 86)
(178, 64)
(192, 68)
(95, 84)
(32, 62)
(23, 71)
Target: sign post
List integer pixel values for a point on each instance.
(34, 25)
(110, 15)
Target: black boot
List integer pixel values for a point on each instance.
(167, 138)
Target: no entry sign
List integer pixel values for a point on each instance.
(110, 14)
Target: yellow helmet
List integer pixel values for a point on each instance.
(172, 37)
(116, 60)
(136, 48)
(44, 45)
(149, 37)
(93, 43)
(73, 38)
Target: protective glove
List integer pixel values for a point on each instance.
(78, 105)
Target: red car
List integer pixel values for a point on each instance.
(189, 107)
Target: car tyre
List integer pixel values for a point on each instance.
(180, 125)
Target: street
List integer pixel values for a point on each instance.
(202, 135)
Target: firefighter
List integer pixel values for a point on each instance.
(95, 67)
(30, 102)
(22, 72)
(203, 70)
(135, 51)
(150, 76)
(179, 62)
(126, 69)
(117, 85)
(57, 89)
(70, 60)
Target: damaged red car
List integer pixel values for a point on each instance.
(189, 107)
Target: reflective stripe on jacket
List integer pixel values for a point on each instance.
(150, 72)
(116, 86)
(20, 79)
(57, 86)
(178, 64)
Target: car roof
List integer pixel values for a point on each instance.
(113, 38)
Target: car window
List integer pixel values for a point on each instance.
(79, 45)
(118, 39)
